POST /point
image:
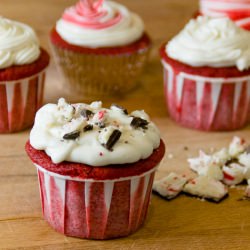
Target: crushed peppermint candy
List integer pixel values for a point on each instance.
(216, 172)
(206, 187)
(170, 186)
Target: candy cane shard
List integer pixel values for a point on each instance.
(207, 188)
(170, 186)
(233, 174)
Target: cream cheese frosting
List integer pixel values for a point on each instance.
(214, 42)
(18, 43)
(99, 24)
(93, 135)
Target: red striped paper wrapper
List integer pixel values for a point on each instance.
(95, 209)
(207, 103)
(19, 101)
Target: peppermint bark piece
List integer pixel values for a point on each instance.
(207, 188)
(170, 186)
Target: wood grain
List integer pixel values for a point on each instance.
(184, 223)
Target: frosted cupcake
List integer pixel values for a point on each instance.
(206, 75)
(95, 167)
(100, 47)
(237, 10)
(22, 75)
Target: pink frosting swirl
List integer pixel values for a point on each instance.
(90, 14)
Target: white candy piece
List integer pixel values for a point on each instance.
(233, 174)
(244, 159)
(221, 156)
(170, 186)
(206, 165)
(74, 125)
(206, 187)
(236, 147)
(65, 110)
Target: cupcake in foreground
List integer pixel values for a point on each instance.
(95, 167)
(237, 10)
(206, 75)
(22, 75)
(100, 47)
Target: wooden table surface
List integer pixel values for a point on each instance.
(183, 223)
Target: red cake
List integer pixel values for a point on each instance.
(99, 201)
(139, 45)
(205, 97)
(21, 80)
(98, 55)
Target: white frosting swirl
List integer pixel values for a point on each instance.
(18, 43)
(129, 29)
(53, 121)
(214, 42)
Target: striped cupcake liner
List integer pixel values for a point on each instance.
(95, 209)
(19, 101)
(207, 103)
(97, 76)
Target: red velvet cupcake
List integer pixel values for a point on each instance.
(95, 168)
(206, 75)
(22, 75)
(100, 48)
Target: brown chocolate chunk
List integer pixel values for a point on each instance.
(72, 135)
(138, 122)
(88, 128)
(86, 113)
(114, 137)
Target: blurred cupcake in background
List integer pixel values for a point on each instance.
(237, 10)
(100, 48)
(207, 75)
(22, 75)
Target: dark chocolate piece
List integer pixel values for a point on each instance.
(88, 128)
(120, 107)
(86, 113)
(72, 135)
(114, 137)
(138, 122)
